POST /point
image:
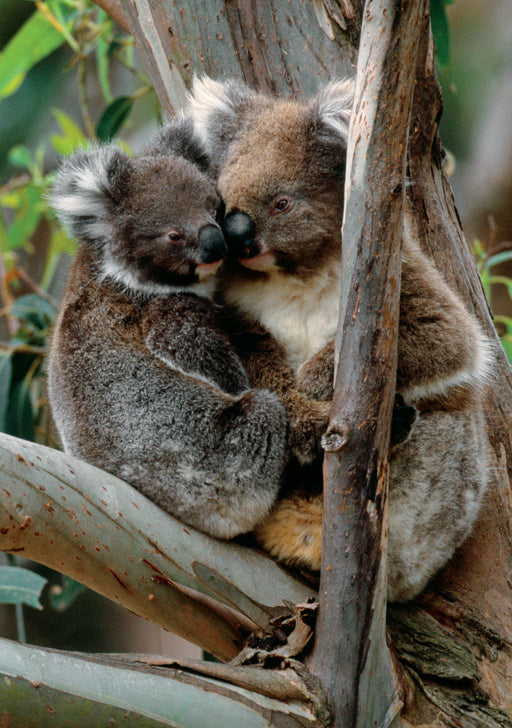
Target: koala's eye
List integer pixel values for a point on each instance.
(281, 204)
(173, 236)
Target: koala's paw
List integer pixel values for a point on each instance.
(292, 533)
(306, 428)
(316, 376)
(403, 419)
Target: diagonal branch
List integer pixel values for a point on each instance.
(85, 523)
(353, 595)
(146, 692)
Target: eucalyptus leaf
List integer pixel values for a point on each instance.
(103, 64)
(498, 258)
(35, 310)
(62, 597)
(72, 136)
(113, 118)
(19, 420)
(35, 40)
(5, 384)
(20, 586)
(20, 156)
(26, 218)
(440, 31)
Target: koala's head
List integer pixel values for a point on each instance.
(281, 169)
(150, 221)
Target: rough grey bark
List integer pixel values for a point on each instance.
(356, 668)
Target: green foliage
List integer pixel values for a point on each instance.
(61, 596)
(441, 30)
(487, 260)
(20, 586)
(70, 138)
(21, 365)
(113, 118)
(28, 228)
(36, 40)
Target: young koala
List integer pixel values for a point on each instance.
(280, 166)
(143, 381)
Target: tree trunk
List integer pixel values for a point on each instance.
(453, 643)
(468, 609)
(356, 669)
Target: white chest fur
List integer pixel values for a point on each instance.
(302, 316)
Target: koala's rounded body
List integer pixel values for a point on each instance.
(143, 381)
(281, 168)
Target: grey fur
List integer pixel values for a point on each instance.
(143, 381)
(274, 150)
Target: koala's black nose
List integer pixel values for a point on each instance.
(212, 244)
(240, 231)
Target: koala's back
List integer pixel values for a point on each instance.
(210, 458)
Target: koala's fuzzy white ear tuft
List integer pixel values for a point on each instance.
(207, 101)
(84, 190)
(217, 111)
(333, 105)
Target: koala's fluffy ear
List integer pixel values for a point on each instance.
(216, 110)
(179, 137)
(89, 187)
(333, 106)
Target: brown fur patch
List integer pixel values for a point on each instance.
(292, 533)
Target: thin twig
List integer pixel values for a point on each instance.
(24, 348)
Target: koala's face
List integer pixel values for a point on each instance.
(281, 167)
(289, 187)
(151, 222)
(165, 231)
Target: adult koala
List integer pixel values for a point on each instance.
(280, 166)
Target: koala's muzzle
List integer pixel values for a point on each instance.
(240, 232)
(212, 244)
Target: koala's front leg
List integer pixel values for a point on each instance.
(316, 377)
(183, 332)
(267, 368)
(443, 355)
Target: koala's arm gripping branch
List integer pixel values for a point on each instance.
(356, 666)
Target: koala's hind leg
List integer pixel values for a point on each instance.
(437, 481)
(292, 533)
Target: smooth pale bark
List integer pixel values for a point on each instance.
(85, 523)
(75, 690)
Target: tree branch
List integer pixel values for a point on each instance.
(271, 47)
(85, 523)
(140, 691)
(355, 665)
